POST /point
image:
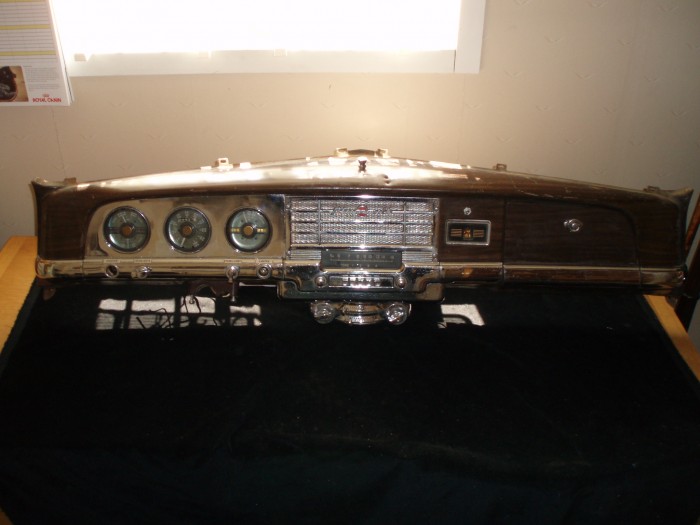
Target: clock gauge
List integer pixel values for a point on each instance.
(126, 229)
(187, 230)
(248, 230)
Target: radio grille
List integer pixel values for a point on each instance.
(400, 223)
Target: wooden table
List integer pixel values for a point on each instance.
(16, 277)
(676, 332)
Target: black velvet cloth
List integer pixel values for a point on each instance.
(136, 405)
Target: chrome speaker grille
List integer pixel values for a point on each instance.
(362, 222)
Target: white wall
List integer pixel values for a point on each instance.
(598, 90)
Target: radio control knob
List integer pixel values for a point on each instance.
(397, 313)
(400, 281)
(323, 312)
(321, 281)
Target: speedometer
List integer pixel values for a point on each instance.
(187, 230)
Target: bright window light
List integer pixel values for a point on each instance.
(155, 26)
(238, 31)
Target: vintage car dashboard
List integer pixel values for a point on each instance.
(359, 234)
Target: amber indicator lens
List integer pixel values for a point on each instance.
(467, 232)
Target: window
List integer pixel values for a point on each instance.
(156, 36)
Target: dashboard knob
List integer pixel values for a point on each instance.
(232, 272)
(397, 313)
(264, 271)
(573, 225)
(141, 272)
(112, 270)
(323, 312)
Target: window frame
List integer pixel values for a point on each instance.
(465, 59)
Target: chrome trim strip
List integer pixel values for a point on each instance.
(305, 278)
(570, 274)
(660, 279)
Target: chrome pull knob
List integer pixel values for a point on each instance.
(573, 225)
(232, 273)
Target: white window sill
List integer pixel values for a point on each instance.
(267, 62)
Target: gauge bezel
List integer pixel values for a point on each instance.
(107, 237)
(171, 241)
(229, 235)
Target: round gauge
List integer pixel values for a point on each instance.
(248, 230)
(126, 229)
(187, 230)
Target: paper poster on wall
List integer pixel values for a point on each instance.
(32, 71)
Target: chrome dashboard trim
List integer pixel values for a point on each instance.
(297, 278)
(366, 221)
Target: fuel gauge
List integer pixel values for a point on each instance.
(248, 230)
(126, 229)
